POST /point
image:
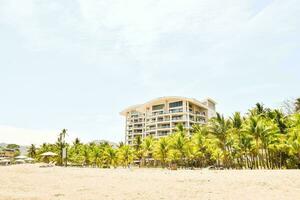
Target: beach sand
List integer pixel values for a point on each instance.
(30, 182)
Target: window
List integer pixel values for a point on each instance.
(158, 107)
(175, 110)
(175, 104)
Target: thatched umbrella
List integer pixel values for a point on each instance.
(5, 161)
(29, 160)
(21, 157)
(48, 154)
(19, 161)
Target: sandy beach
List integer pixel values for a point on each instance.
(34, 183)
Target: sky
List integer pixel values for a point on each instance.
(76, 64)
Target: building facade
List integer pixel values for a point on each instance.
(160, 116)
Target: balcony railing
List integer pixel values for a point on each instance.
(163, 127)
(176, 111)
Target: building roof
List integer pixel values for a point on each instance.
(142, 107)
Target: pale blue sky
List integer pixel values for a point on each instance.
(61, 61)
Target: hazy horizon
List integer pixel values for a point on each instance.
(77, 64)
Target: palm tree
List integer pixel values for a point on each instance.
(199, 141)
(234, 138)
(147, 147)
(110, 156)
(96, 156)
(77, 144)
(294, 136)
(61, 144)
(280, 120)
(120, 144)
(219, 126)
(32, 151)
(256, 127)
(75, 153)
(161, 149)
(247, 148)
(259, 110)
(125, 155)
(86, 155)
(179, 145)
(138, 149)
(180, 129)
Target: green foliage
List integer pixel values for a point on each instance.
(14, 147)
(32, 151)
(261, 139)
(125, 155)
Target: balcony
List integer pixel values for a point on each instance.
(163, 133)
(182, 118)
(151, 128)
(151, 131)
(137, 133)
(174, 111)
(164, 127)
(160, 119)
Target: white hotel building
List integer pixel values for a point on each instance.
(160, 116)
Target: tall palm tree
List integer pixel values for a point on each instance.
(257, 128)
(147, 147)
(181, 129)
(294, 136)
(32, 151)
(120, 144)
(110, 156)
(61, 144)
(234, 138)
(161, 149)
(77, 144)
(247, 147)
(125, 155)
(280, 120)
(86, 155)
(179, 146)
(219, 127)
(138, 149)
(200, 140)
(96, 154)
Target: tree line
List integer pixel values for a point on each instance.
(263, 138)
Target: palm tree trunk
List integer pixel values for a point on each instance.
(280, 158)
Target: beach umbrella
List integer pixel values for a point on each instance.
(20, 161)
(4, 161)
(29, 160)
(21, 157)
(49, 153)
